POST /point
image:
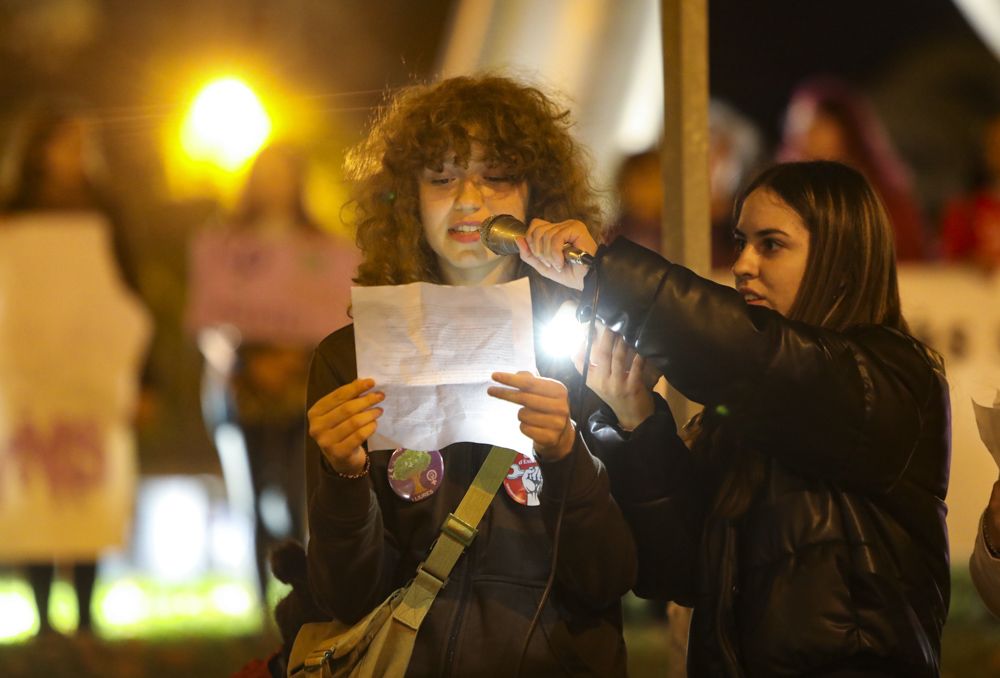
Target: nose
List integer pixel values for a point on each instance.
(470, 195)
(745, 265)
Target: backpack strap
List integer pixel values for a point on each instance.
(457, 533)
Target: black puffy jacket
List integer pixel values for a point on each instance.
(840, 564)
(365, 541)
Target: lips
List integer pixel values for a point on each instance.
(751, 297)
(465, 232)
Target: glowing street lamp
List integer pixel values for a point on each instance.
(226, 125)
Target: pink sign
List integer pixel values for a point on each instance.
(293, 289)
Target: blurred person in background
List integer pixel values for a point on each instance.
(54, 169)
(970, 228)
(639, 188)
(261, 385)
(735, 152)
(827, 119)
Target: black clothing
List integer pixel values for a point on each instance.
(270, 447)
(840, 563)
(41, 576)
(365, 541)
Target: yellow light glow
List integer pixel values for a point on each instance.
(226, 125)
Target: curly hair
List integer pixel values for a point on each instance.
(516, 125)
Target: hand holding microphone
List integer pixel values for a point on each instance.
(543, 245)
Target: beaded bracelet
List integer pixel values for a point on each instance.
(360, 474)
(986, 540)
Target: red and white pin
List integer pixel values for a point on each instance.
(524, 481)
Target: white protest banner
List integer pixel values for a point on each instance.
(956, 310)
(72, 338)
(291, 289)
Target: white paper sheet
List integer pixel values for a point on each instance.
(431, 349)
(988, 421)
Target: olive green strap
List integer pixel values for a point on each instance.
(457, 533)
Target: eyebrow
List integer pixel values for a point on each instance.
(763, 233)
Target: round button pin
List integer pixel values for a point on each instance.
(415, 474)
(524, 481)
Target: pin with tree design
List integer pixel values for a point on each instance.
(415, 474)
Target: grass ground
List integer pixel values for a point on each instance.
(199, 632)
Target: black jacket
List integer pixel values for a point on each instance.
(365, 541)
(840, 564)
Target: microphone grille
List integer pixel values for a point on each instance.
(500, 231)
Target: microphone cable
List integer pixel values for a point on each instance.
(580, 392)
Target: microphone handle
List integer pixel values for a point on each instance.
(575, 255)
(498, 233)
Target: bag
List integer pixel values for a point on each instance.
(380, 645)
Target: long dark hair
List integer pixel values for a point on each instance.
(25, 166)
(849, 280)
(249, 208)
(850, 276)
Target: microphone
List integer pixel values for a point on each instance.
(500, 232)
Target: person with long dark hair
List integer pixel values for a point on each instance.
(970, 224)
(266, 282)
(54, 168)
(828, 119)
(805, 522)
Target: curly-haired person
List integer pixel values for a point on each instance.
(438, 160)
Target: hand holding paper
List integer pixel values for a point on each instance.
(544, 412)
(988, 421)
(342, 420)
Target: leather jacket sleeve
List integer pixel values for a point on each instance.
(351, 557)
(851, 400)
(655, 480)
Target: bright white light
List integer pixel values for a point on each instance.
(176, 520)
(231, 599)
(125, 604)
(564, 334)
(230, 540)
(227, 124)
(640, 122)
(18, 615)
(984, 17)
(274, 512)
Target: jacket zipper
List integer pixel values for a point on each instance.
(725, 604)
(463, 598)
